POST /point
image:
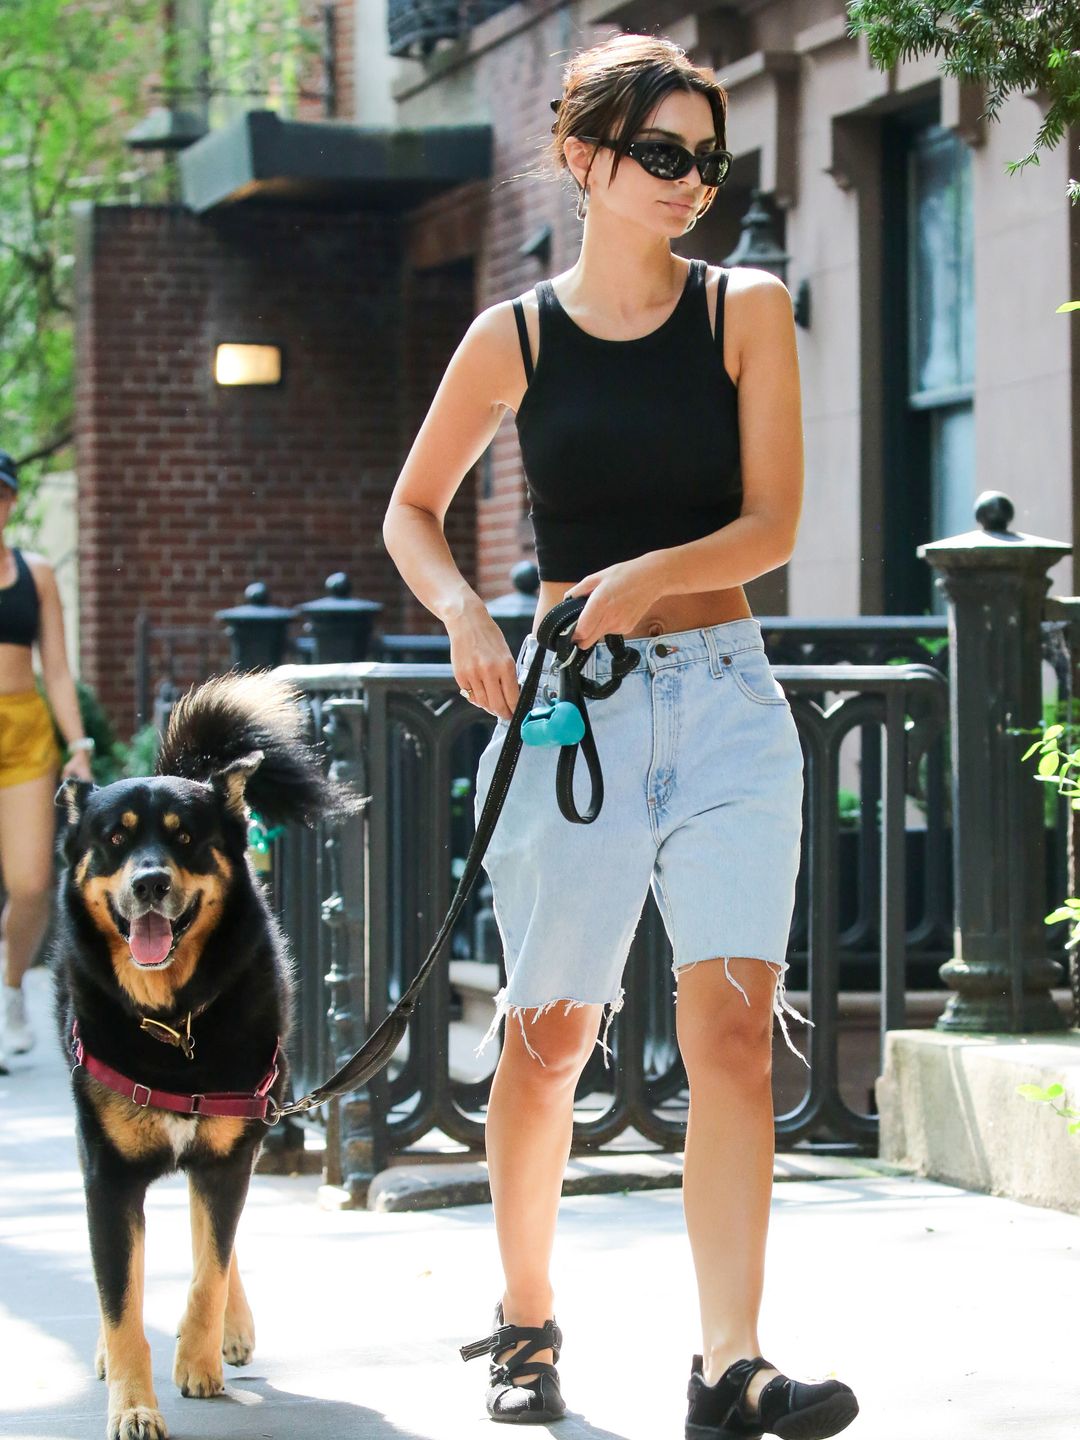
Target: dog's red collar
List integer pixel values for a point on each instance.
(239, 1106)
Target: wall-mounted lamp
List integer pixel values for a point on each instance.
(538, 246)
(247, 365)
(756, 246)
(802, 305)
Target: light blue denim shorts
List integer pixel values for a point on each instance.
(703, 786)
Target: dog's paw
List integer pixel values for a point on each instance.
(196, 1376)
(138, 1423)
(239, 1344)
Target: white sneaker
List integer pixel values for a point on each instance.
(17, 1032)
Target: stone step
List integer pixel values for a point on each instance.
(477, 982)
(464, 1064)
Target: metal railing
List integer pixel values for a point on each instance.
(414, 27)
(382, 883)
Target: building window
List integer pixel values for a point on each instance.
(928, 363)
(942, 321)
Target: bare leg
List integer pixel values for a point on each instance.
(726, 1046)
(528, 1133)
(26, 845)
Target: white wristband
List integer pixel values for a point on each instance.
(84, 742)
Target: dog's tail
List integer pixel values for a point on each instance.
(251, 728)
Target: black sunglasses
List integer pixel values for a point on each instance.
(666, 161)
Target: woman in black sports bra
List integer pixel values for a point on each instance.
(30, 614)
(658, 409)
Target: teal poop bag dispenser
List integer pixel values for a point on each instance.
(559, 723)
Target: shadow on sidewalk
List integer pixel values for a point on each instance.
(252, 1408)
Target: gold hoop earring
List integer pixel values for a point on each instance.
(582, 203)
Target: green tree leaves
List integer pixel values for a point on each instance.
(70, 84)
(1009, 48)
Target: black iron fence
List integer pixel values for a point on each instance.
(362, 904)
(929, 854)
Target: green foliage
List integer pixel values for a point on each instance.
(60, 124)
(1049, 1095)
(1057, 767)
(1009, 48)
(932, 644)
(1051, 766)
(139, 755)
(850, 809)
(74, 78)
(258, 52)
(115, 759)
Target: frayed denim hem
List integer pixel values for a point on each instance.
(502, 1007)
(780, 1000)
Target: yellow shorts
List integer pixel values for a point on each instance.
(28, 748)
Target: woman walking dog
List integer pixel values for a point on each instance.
(658, 409)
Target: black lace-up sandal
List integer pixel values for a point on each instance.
(792, 1409)
(536, 1401)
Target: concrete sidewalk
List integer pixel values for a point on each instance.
(951, 1314)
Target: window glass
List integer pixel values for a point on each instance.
(942, 317)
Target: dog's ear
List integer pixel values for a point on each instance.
(71, 800)
(231, 782)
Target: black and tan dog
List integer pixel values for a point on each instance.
(173, 992)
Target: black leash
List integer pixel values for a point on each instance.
(553, 633)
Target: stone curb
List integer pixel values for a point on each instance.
(440, 1184)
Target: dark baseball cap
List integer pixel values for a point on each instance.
(9, 471)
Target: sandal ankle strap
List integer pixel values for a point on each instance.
(537, 1337)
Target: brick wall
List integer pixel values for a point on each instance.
(188, 490)
(345, 57)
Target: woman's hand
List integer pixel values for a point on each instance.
(482, 662)
(78, 767)
(619, 596)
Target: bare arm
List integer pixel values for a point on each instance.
(55, 671)
(771, 446)
(472, 397)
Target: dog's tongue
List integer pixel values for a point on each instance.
(151, 938)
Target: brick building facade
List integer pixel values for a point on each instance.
(368, 276)
(188, 490)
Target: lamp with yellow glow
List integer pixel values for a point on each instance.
(247, 365)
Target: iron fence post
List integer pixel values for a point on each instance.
(340, 626)
(256, 629)
(995, 581)
(515, 611)
(357, 1127)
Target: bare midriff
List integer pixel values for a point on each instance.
(670, 613)
(16, 661)
(16, 669)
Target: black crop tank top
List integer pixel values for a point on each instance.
(19, 606)
(628, 445)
